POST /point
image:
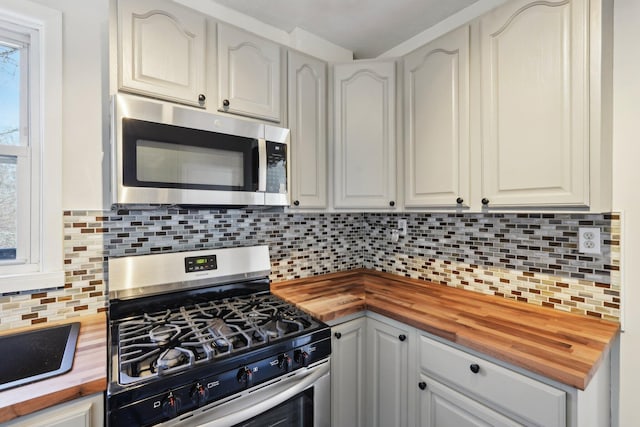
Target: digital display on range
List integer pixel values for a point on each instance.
(200, 263)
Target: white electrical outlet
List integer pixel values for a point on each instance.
(589, 240)
(402, 227)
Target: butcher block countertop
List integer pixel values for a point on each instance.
(87, 376)
(561, 346)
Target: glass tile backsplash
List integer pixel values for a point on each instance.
(529, 257)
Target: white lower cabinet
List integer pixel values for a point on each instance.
(348, 373)
(371, 361)
(442, 406)
(389, 345)
(83, 412)
(456, 385)
(386, 373)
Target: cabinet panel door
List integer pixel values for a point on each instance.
(524, 398)
(82, 412)
(249, 74)
(535, 103)
(308, 123)
(441, 406)
(437, 122)
(162, 50)
(364, 107)
(347, 374)
(388, 370)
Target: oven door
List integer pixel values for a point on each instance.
(300, 399)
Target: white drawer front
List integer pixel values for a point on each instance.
(510, 392)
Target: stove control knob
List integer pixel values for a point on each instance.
(245, 376)
(301, 357)
(284, 362)
(199, 394)
(170, 406)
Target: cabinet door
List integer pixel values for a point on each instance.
(535, 103)
(388, 370)
(365, 161)
(249, 74)
(436, 79)
(162, 50)
(441, 406)
(507, 391)
(83, 412)
(308, 124)
(347, 373)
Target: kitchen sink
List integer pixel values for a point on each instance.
(35, 355)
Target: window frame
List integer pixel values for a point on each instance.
(40, 171)
(26, 250)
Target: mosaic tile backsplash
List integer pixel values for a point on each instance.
(528, 257)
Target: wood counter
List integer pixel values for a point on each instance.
(87, 376)
(561, 346)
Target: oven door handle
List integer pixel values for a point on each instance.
(269, 403)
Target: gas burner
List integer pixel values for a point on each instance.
(274, 329)
(279, 326)
(220, 332)
(170, 359)
(162, 334)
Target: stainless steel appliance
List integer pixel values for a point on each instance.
(164, 153)
(196, 339)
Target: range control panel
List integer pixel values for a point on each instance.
(200, 263)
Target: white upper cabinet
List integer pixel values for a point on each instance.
(162, 50)
(249, 74)
(436, 81)
(534, 84)
(364, 123)
(308, 123)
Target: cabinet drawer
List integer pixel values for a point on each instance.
(533, 402)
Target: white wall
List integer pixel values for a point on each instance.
(626, 198)
(84, 100)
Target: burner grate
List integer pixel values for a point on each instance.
(158, 344)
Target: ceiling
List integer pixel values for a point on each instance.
(366, 27)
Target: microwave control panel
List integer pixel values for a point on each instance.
(276, 167)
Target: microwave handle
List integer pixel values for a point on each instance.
(262, 164)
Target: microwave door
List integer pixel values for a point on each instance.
(168, 164)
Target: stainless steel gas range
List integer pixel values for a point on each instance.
(197, 339)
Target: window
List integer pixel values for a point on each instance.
(14, 144)
(30, 146)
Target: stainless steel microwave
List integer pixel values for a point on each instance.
(169, 154)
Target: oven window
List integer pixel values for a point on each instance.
(174, 163)
(295, 412)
